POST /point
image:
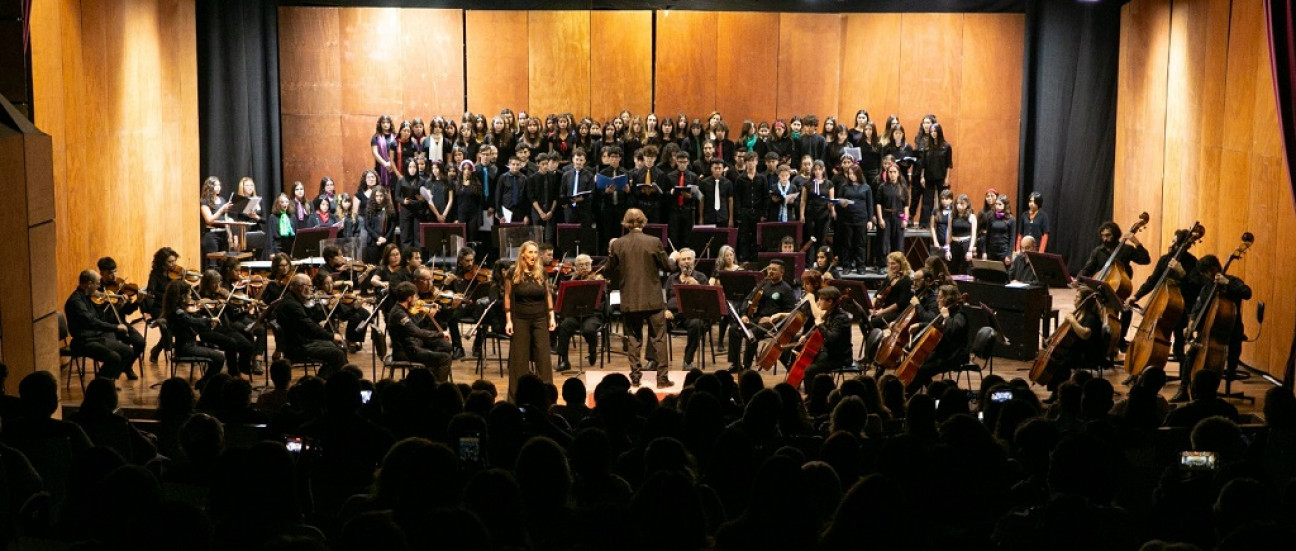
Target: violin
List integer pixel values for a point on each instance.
(353, 297)
(103, 297)
(1151, 345)
(179, 272)
(129, 291)
(449, 299)
(479, 274)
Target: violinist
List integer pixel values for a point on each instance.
(300, 336)
(342, 307)
(1179, 270)
(245, 309)
(109, 283)
(413, 262)
(410, 342)
(340, 268)
(93, 337)
(1132, 252)
(1208, 273)
(391, 269)
(894, 296)
(685, 274)
(775, 296)
(436, 316)
(464, 282)
(163, 260)
(952, 350)
(186, 326)
(235, 343)
(825, 263)
(834, 325)
(587, 325)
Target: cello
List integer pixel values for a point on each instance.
(891, 351)
(1210, 332)
(813, 343)
(1041, 372)
(923, 345)
(784, 335)
(1116, 277)
(1151, 345)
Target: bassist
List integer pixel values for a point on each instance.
(1132, 252)
(1209, 273)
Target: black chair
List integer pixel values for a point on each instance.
(707, 344)
(71, 360)
(982, 346)
(390, 365)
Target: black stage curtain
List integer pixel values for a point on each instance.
(238, 94)
(1068, 121)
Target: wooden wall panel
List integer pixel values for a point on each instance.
(496, 50)
(809, 72)
(313, 148)
(433, 78)
(372, 77)
(310, 61)
(989, 107)
(745, 83)
(357, 156)
(559, 62)
(870, 74)
(685, 80)
(931, 76)
(620, 63)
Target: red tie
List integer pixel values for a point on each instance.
(680, 195)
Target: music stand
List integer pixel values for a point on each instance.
(989, 271)
(580, 298)
(861, 306)
(576, 239)
(307, 242)
(793, 265)
(1108, 297)
(512, 236)
(739, 283)
(769, 235)
(701, 302)
(657, 230)
(705, 265)
(236, 232)
(706, 241)
(1050, 269)
(436, 238)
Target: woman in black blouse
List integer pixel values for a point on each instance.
(857, 219)
(1001, 233)
(185, 327)
(391, 269)
(937, 161)
(412, 207)
(1033, 222)
(528, 316)
(960, 243)
(380, 224)
(895, 294)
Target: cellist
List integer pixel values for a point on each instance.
(895, 294)
(775, 297)
(1210, 272)
(1110, 235)
(1179, 270)
(835, 328)
(952, 351)
(1085, 346)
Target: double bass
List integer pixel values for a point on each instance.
(1041, 372)
(1151, 345)
(1210, 332)
(922, 346)
(1115, 276)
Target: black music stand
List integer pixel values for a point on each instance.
(435, 239)
(660, 231)
(705, 265)
(307, 242)
(793, 265)
(989, 271)
(580, 298)
(739, 283)
(769, 235)
(701, 302)
(859, 305)
(706, 241)
(1108, 297)
(576, 239)
(1050, 269)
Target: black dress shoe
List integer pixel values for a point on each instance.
(664, 382)
(593, 357)
(563, 365)
(153, 354)
(456, 353)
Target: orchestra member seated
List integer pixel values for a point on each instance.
(108, 282)
(93, 337)
(300, 336)
(237, 345)
(391, 269)
(338, 310)
(775, 296)
(894, 296)
(412, 343)
(1132, 252)
(685, 274)
(164, 259)
(1085, 349)
(835, 328)
(952, 350)
(587, 325)
(186, 326)
(427, 292)
(1020, 269)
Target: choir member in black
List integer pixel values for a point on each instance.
(685, 196)
(1180, 270)
(960, 239)
(724, 147)
(782, 196)
(894, 296)
(952, 350)
(300, 336)
(901, 153)
(940, 220)
(588, 326)
(120, 312)
(816, 194)
(776, 296)
(323, 216)
(380, 224)
(327, 193)
(543, 188)
(410, 342)
(511, 194)
(826, 263)
(281, 271)
(750, 189)
(93, 337)
(1085, 348)
(1131, 252)
(185, 324)
(164, 260)
(349, 220)
(780, 142)
(412, 206)
(1208, 275)
(470, 200)
(870, 152)
(340, 310)
(528, 317)
(212, 210)
(937, 161)
(984, 216)
(891, 198)
(855, 216)
(717, 197)
(1001, 233)
(236, 344)
(835, 353)
(703, 165)
(685, 274)
(1034, 221)
(696, 140)
(441, 189)
(811, 142)
(645, 191)
(577, 192)
(1020, 269)
(611, 203)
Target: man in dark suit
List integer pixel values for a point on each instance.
(637, 260)
(302, 338)
(93, 337)
(577, 192)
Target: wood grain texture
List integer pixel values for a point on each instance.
(870, 71)
(310, 61)
(744, 83)
(620, 63)
(373, 71)
(558, 62)
(931, 71)
(313, 147)
(433, 75)
(496, 50)
(809, 71)
(686, 63)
